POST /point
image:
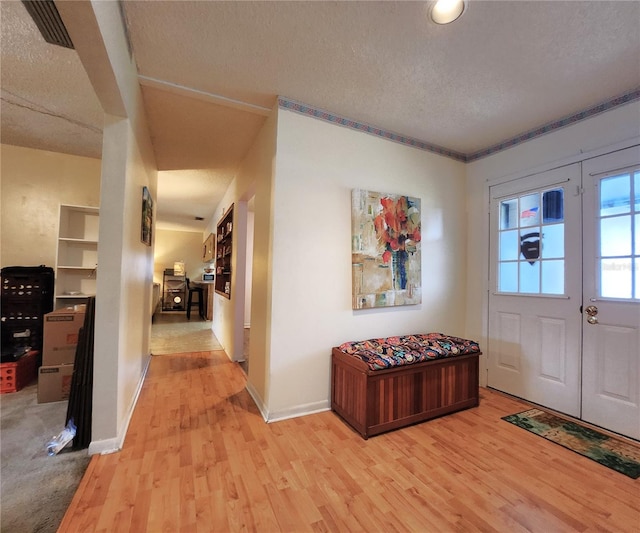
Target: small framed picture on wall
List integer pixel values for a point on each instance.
(147, 216)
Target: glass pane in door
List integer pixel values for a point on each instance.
(636, 249)
(509, 214)
(615, 195)
(553, 241)
(530, 277)
(553, 206)
(508, 276)
(619, 235)
(531, 233)
(553, 277)
(615, 278)
(615, 236)
(530, 210)
(509, 245)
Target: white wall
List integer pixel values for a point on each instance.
(317, 166)
(34, 183)
(593, 136)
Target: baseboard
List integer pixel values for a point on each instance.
(294, 412)
(257, 400)
(299, 410)
(106, 446)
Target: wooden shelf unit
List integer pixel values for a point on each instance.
(224, 248)
(174, 291)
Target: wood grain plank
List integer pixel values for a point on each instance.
(198, 457)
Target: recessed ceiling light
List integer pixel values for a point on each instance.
(446, 11)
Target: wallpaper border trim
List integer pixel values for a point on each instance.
(333, 118)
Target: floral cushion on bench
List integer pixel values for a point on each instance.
(408, 349)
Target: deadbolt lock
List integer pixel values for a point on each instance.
(592, 310)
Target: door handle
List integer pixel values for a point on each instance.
(592, 311)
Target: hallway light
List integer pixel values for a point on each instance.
(446, 11)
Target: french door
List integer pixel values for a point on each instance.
(611, 324)
(535, 289)
(564, 301)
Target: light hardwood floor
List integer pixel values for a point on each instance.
(199, 457)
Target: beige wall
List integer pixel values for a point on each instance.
(171, 246)
(249, 260)
(301, 279)
(255, 176)
(34, 183)
(317, 166)
(124, 285)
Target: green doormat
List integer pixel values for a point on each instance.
(608, 451)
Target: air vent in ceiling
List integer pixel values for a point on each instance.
(45, 14)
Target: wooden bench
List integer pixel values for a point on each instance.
(384, 384)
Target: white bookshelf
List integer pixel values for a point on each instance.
(77, 257)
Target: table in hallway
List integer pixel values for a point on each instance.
(207, 290)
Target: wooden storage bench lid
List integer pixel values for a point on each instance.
(391, 352)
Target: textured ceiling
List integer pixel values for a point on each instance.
(47, 100)
(210, 71)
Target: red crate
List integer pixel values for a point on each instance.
(15, 376)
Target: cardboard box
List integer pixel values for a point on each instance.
(60, 335)
(54, 383)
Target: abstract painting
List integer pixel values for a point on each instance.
(385, 249)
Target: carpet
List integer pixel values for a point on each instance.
(609, 451)
(36, 489)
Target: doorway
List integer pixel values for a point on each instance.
(564, 297)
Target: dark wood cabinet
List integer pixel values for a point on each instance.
(224, 247)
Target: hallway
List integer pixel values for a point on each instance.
(171, 332)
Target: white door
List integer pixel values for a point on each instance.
(564, 303)
(535, 292)
(611, 322)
